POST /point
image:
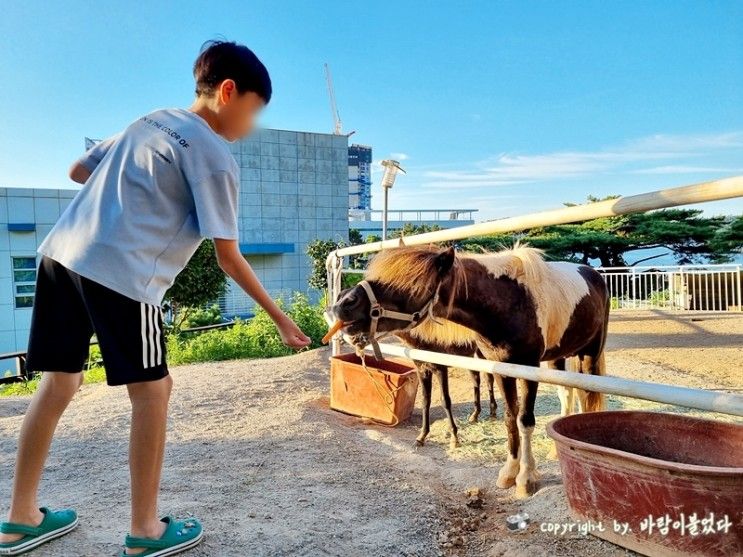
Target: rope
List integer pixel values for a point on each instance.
(387, 396)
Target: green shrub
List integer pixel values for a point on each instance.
(257, 338)
(309, 318)
(201, 317)
(351, 279)
(660, 298)
(94, 357)
(219, 344)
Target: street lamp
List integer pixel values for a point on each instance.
(390, 173)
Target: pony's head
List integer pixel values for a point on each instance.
(404, 280)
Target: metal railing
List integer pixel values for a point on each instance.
(709, 288)
(413, 215)
(713, 401)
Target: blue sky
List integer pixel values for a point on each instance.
(507, 107)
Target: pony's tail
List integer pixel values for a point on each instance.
(596, 402)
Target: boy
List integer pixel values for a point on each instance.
(152, 193)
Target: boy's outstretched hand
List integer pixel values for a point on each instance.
(236, 266)
(292, 335)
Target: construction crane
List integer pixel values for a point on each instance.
(338, 127)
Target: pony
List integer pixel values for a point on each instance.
(522, 310)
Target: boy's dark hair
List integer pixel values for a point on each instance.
(220, 60)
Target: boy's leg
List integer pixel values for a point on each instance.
(146, 447)
(49, 402)
(59, 340)
(132, 341)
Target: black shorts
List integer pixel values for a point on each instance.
(69, 308)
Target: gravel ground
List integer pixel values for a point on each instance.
(255, 452)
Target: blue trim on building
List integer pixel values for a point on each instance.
(266, 248)
(21, 226)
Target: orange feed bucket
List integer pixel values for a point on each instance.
(381, 390)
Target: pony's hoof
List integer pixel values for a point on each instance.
(493, 416)
(505, 483)
(524, 491)
(473, 418)
(419, 443)
(454, 443)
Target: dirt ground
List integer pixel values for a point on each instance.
(255, 452)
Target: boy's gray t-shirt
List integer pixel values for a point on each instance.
(157, 189)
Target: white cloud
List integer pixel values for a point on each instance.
(377, 168)
(681, 169)
(693, 143)
(399, 156)
(644, 155)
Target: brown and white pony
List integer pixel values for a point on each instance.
(522, 309)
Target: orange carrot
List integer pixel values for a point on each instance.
(337, 326)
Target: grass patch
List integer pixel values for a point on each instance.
(24, 388)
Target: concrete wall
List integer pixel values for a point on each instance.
(294, 190)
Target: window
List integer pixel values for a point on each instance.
(24, 281)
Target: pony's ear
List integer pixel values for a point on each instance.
(445, 261)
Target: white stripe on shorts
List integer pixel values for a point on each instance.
(143, 328)
(158, 334)
(151, 331)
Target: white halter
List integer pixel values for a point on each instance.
(376, 312)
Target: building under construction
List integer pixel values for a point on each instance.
(359, 178)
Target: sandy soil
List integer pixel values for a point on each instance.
(255, 452)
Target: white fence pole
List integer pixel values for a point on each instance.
(711, 401)
(697, 193)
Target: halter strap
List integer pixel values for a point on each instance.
(377, 311)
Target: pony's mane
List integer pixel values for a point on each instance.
(444, 331)
(412, 269)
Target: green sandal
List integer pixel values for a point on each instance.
(179, 535)
(54, 525)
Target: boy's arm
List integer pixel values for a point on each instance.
(82, 168)
(235, 265)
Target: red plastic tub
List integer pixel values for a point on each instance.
(675, 481)
(385, 391)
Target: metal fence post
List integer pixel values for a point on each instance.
(20, 367)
